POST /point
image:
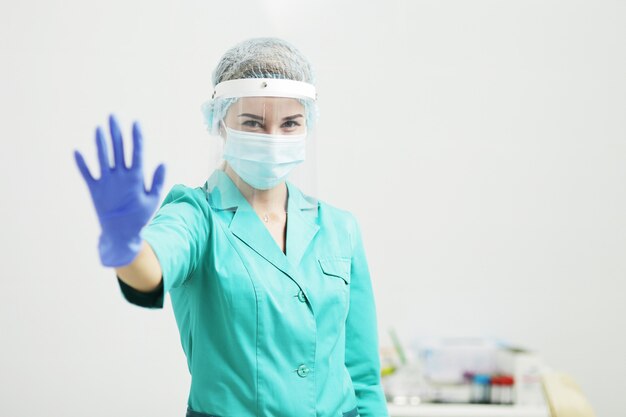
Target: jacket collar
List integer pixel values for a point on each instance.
(223, 194)
(302, 225)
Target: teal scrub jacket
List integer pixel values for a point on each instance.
(267, 334)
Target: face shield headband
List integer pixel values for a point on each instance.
(264, 87)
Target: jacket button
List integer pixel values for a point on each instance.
(303, 370)
(301, 296)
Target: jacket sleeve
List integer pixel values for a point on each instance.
(178, 235)
(152, 299)
(362, 356)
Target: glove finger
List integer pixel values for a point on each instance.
(118, 144)
(103, 153)
(157, 181)
(137, 147)
(82, 167)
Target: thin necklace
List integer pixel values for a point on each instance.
(266, 217)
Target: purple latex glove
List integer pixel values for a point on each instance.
(123, 204)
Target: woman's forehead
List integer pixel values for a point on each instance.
(268, 105)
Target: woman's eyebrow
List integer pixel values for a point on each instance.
(253, 116)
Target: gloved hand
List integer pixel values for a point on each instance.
(123, 204)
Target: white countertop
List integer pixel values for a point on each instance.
(466, 410)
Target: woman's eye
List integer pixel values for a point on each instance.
(290, 123)
(252, 123)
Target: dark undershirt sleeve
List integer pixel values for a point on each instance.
(152, 299)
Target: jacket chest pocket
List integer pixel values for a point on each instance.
(338, 268)
(335, 279)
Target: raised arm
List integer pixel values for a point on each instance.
(144, 272)
(124, 206)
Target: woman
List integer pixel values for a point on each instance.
(270, 287)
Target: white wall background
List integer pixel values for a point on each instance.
(482, 145)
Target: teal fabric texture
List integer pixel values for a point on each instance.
(267, 333)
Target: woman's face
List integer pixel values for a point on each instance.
(268, 115)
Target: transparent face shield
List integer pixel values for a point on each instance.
(265, 133)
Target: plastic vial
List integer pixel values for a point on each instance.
(506, 389)
(496, 390)
(480, 389)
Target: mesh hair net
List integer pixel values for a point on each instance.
(259, 58)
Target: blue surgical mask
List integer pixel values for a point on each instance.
(261, 160)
